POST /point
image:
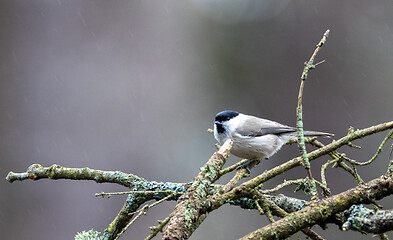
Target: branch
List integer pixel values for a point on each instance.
(151, 189)
(359, 218)
(356, 218)
(299, 115)
(197, 210)
(210, 197)
(321, 211)
(136, 183)
(36, 172)
(244, 189)
(187, 215)
(278, 211)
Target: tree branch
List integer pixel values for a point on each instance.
(364, 220)
(243, 189)
(208, 196)
(187, 214)
(320, 211)
(299, 115)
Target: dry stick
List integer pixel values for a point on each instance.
(302, 146)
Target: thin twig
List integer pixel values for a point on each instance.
(276, 210)
(240, 173)
(325, 209)
(375, 155)
(266, 209)
(156, 229)
(233, 167)
(302, 146)
(103, 194)
(282, 185)
(142, 211)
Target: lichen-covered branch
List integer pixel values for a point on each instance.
(244, 189)
(359, 218)
(320, 211)
(278, 211)
(187, 215)
(388, 136)
(356, 218)
(251, 184)
(152, 189)
(36, 172)
(202, 196)
(134, 182)
(299, 115)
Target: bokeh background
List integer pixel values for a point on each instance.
(133, 86)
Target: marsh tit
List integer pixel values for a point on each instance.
(254, 138)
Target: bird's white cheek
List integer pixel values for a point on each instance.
(216, 133)
(217, 136)
(220, 137)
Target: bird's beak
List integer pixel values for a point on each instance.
(216, 122)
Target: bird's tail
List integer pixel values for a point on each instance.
(317, 134)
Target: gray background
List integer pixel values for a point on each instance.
(133, 86)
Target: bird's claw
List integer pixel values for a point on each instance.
(245, 166)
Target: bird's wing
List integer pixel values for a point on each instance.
(256, 127)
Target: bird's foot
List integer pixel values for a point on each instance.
(245, 166)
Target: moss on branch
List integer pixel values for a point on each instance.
(320, 211)
(188, 213)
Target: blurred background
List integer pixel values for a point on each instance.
(133, 86)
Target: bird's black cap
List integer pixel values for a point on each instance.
(225, 115)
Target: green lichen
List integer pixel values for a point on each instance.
(89, 235)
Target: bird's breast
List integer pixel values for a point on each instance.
(256, 147)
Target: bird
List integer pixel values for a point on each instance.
(254, 138)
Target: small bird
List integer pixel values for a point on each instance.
(254, 138)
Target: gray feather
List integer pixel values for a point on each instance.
(317, 134)
(256, 127)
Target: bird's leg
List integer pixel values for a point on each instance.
(246, 165)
